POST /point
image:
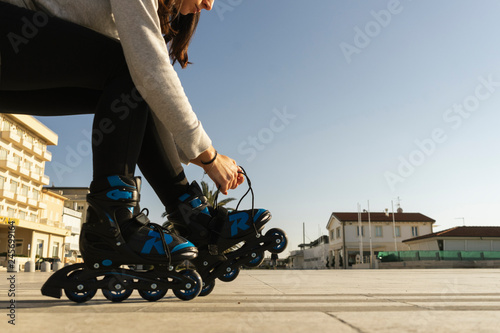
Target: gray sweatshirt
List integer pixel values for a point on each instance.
(136, 24)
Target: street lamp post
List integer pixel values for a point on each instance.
(370, 233)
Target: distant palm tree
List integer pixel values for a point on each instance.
(210, 195)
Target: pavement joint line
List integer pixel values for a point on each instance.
(357, 329)
(407, 303)
(267, 284)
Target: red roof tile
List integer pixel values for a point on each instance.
(382, 217)
(462, 232)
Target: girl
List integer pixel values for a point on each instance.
(110, 58)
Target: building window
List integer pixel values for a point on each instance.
(414, 231)
(378, 231)
(25, 190)
(2, 182)
(22, 215)
(338, 233)
(362, 231)
(39, 248)
(398, 231)
(55, 250)
(17, 159)
(11, 212)
(332, 234)
(6, 125)
(13, 186)
(32, 217)
(3, 154)
(36, 194)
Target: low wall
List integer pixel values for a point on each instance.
(440, 264)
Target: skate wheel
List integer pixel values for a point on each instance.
(257, 257)
(281, 240)
(79, 294)
(116, 290)
(230, 276)
(192, 287)
(153, 295)
(208, 287)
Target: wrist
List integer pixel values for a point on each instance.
(205, 158)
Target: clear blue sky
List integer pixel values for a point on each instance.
(331, 103)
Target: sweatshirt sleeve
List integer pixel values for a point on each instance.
(139, 30)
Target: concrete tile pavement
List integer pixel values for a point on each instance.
(453, 300)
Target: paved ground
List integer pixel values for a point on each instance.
(454, 300)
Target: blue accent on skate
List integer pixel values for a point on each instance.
(117, 195)
(131, 209)
(107, 262)
(182, 246)
(115, 181)
(195, 203)
(155, 242)
(184, 197)
(259, 213)
(109, 217)
(239, 221)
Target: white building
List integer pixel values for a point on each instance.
(458, 239)
(349, 232)
(311, 256)
(72, 220)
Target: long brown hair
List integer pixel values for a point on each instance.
(178, 30)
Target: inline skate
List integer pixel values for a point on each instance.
(116, 235)
(226, 240)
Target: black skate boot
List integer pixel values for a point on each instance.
(226, 240)
(117, 234)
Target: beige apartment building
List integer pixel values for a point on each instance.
(354, 236)
(37, 212)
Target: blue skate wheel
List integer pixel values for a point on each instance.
(80, 293)
(208, 287)
(231, 275)
(192, 286)
(153, 295)
(281, 240)
(257, 257)
(116, 291)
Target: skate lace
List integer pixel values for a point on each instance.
(249, 190)
(160, 230)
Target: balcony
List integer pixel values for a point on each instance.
(23, 171)
(32, 202)
(47, 156)
(21, 198)
(8, 165)
(38, 151)
(27, 145)
(45, 180)
(35, 176)
(11, 136)
(74, 230)
(4, 193)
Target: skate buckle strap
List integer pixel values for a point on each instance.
(142, 219)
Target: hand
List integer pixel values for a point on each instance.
(224, 171)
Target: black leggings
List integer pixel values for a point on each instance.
(53, 67)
